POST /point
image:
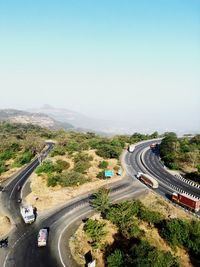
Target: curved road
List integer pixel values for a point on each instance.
(23, 250)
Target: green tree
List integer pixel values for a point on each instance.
(96, 231)
(175, 231)
(116, 259)
(101, 200)
(103, 164)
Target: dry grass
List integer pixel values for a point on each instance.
(8, 173)
(79, 243)
(5, 225)
(157, 203)
(44, 197)
(151, 234)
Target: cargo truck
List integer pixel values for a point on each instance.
(131, 148)
(147, 179)
(187, 201)
(42, 237)
(27, 213)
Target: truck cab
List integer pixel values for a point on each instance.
(42, 237)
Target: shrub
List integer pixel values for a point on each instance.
(96, 231)
(149, 216)
(143, 254)
(101, 175)
(7, 154)
(109, 151)
(61, 165)
(175, 231)
(81, 166)
(23, 159)
(82, 162)
(103, 164)
(116, 259)
(58, 151)
(68, 178)
(3, 167)
(47, 166)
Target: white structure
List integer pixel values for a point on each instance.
(27, 213)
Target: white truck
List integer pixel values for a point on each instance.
(131, 148)
(27, 213)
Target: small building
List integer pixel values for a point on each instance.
(108, 173)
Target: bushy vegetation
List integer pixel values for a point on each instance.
(96, 231)
(131, 248)
(103, 164)
(67, 178)
(19, 144)
(24, 158)
(82, 162)
(182, 233)
(178, 153)
(49, 167)
(100, 200)
(3, 167)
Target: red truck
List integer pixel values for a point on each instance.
(187, 201)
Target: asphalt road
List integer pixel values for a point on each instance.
(152, 162)
(23, 250)
(143, 159)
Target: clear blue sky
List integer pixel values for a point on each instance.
(114, 59)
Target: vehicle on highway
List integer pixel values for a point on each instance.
(18, 187)
(187, 201)
(4, 243)
(1, 188)
(131, 148)
(147, 179)
(42, 237)
(27, 213)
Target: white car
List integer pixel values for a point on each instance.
(42, 237)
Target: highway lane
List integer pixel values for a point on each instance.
(9, 197)
(11, 194)
(144, 160)
(135, 165)
(152, 161)
(25, 252)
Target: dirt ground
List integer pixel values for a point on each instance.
(79, 243)
(5, 225)
(157, 203)
(8, 173)
(152, 235)
(44, 197)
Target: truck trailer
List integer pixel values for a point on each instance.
(27, 213)
(186, 201)
(148, 180)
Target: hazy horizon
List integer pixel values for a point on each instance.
(135, 62)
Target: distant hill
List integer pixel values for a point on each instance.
(25, 117)
(82, 122)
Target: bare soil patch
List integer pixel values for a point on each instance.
(157, 203)
(5, 225)
(80, 243)
(44, 197)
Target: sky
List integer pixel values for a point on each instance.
(125, 60)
